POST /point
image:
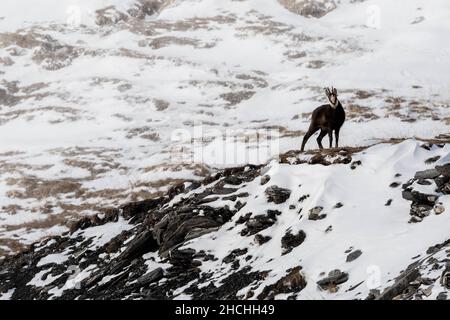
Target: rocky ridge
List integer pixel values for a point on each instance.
(144, 250)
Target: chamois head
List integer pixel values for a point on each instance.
(332, 96)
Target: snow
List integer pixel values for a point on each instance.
(382, 233)
(57, 258)
(102, 234)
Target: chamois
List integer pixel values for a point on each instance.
(327, 117)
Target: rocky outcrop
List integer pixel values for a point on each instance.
(424, 204)
(309, 8)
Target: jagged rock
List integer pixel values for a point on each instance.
(309, 8)
(277, 195)
(290, 241)
(260, 222)
(233, 254)
(418, 197)
(333, 279)
(292, 282)
(353, 255)
(260, 239)
(444, 170)
(228, 287)
(314, 214)
(143, 243)
(151, 277)
(427, 174)
(401, 283)
(177, 230)
(234, 180)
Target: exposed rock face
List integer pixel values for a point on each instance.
(260, 222)
(290, 241)
(139, 10)
(353, 255)
(309, 8)
(423, 204)
(292, 282)
(118, 268)
(277, 195)
(334, 278)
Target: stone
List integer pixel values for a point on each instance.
(442, 296)
(444, 170)
(427, 174)
(314, 214)
(277, 195)
(290, 241)
(151, 277)
(353, 255)
(334, 278)
(260, 239)
(260, 222)
(233, 254)
(292, 282)
(233, 180)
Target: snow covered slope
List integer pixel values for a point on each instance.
(347, 227)
(91, 92)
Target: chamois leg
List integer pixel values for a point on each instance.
(330, 135)
(308, 134)
(322, 134)
(336, 134)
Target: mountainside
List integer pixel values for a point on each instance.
(100, 100)
(343, 224)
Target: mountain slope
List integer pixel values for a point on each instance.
(344, 224)
(93, 95)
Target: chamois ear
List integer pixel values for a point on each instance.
(334, 91)
(327, 91)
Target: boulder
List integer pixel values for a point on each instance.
(277, 195)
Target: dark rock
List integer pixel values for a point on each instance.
(151, 277)
(290, 241)
(244, 218)
(418, 197)
(314, 214)
(427, 174)
(292, 282)
(228, 287)
(142, 244)
(394, 184)
(432, 160)
(441, 181)
(355, 164)
(277, 195)
(260, 239)
(444, 170)
(338, 205)
(303, 198)
(233, 254)
(442, 296)
(260, 222)
(333, 279)
(353, 256)
(388, 203)
(233, 180)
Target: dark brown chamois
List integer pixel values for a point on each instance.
(327, 118)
